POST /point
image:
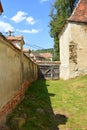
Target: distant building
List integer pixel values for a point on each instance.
(47, 56)
(17, 41)
(36, 56)
(27, 52)
(73, 43)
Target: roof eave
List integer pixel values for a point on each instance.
(76, 21)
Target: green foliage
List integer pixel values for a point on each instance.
(69, 99)
(35, 109)
(60, 11)
(53, 105)
(56, 52)
(50, 50)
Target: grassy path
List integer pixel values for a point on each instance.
(53, 105)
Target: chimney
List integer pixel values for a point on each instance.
(9, 33)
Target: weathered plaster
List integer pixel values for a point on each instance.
(10, 73)
(73, 50)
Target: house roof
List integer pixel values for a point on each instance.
(46, 55)
(5, 39)
(36, 54)
(1, 8)
(80, 12)
(26, 50)
(15, 38)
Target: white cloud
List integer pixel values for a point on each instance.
(44, 1)
(5, 27)
(20, 16)
(32, 31)
(30, 20)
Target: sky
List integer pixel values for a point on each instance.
(29, 18)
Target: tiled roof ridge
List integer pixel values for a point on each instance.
(75, 8)
(80, 12)
(15, 37)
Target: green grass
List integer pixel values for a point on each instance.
(54, 105)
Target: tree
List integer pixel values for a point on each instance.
(60, 11)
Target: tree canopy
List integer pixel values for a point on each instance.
(59, 13)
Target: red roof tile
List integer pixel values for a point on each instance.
(80, 12)
(46, 55)
(1, 8)
(14, 38)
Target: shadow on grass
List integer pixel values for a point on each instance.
(36, 109)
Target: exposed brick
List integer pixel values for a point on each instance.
(13, 102)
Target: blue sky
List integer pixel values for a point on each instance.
(29, 18)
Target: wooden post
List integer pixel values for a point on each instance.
(52, 72)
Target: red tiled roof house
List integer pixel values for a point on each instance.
(47, 56)
(73, 43)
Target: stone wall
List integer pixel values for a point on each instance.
(65, 38)
(16, 73)
(73, 50)
(79, 37)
